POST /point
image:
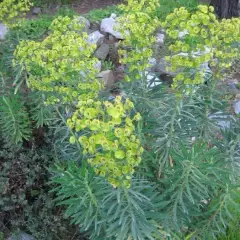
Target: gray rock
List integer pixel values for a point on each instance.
(102, 52)
(96, 38)
(236, 106)
(113, 54)
(152, 62)
(221, 119)
(95, 26)
(111, 38)
(98, 66)
(21, 236)
(120, 69)
(182, 34)
(3, 31)
(232, 86)
(152, 79)
(36, 10)
(161, 68)
(113, 15)
(110, 25)
(160, 39)
(107, 77)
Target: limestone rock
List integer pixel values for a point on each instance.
(236, 106)
(113, 15)
(107, 77)
(160, 39)
(110, 25)
(102, 52)
(152, 79)
(36, 10)
(96, 38)
(3, 31)
(113, 54)
(98, 66)
(152, 62)
(182, 34)
(221, 119)
(95, 26)
(161, 68)
(21, 236)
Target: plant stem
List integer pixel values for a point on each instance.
(62, 118)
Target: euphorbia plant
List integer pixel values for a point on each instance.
(151, 163)
(205, 40)
(12, 10)
(138, 25)
(63, 68)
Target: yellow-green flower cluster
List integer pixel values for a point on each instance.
(12, 10)
(109, 140)
(138, 25)
(61, 65)
(205, 39)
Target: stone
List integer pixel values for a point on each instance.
(182, 34)
(236, 106)
(231, 86)
(3, 31)
(221, 119)
(36, 10)
(95, 26)
(152, 62)
(96, 38)
(120, 69)
(152, 79)
(102, 52)
(113, 54)
(21, 236)
(160, 39)
(161, 68)
(107, 77)
(111, 38)
(110, 25)
(98, 65)
(113, 15)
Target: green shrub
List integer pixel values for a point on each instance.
(41, 3)
(97, 15)
(167, 6)
(25, 203)
(14, 120)
(33, 28)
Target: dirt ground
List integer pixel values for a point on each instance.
(83, 6)
(80, 6)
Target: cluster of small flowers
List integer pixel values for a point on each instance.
(12, 10)
(138, 25)
(62, 67)
(109, 140)
(206, 39)
(62, 64)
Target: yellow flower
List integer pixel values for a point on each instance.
(72, 140)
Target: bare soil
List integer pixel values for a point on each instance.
(84, 6)
(80, 6)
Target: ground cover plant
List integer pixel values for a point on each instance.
(150, 162)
